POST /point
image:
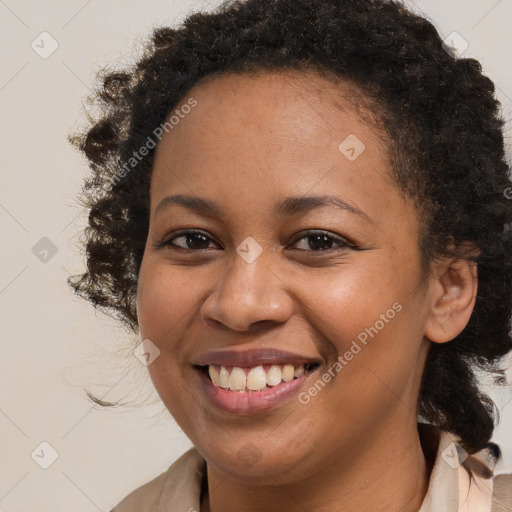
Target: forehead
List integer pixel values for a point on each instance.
(277, 117)
(257, 94)
(253, 140)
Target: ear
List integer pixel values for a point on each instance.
(453, 286)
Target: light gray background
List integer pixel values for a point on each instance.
(53, 343)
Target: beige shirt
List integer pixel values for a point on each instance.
(450, 489)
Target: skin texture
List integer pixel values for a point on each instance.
(251, 141)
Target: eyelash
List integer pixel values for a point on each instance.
(342, 244)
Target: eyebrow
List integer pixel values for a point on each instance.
(289, 206)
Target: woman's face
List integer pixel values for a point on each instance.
(278, 276)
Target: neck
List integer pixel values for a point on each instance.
(390, 474)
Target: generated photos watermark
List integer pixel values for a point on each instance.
(151, 143)
(356, 346)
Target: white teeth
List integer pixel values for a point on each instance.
(274, 375)
(256, 379)
(299, 371)
(214, 375)
(237, 379)
(288, 371)
(224, 377)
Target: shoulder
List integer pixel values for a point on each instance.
(181, 483)
(502, 495)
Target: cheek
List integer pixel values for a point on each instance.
(165, 305)
(346, 302)
(165, 298)
(371, 317)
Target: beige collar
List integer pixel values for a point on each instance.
(458, 482)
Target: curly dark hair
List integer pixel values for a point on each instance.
(444, 133)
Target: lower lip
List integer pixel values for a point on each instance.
(251, 402)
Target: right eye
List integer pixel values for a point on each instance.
(191, 240)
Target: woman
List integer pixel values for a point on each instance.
(301, 207)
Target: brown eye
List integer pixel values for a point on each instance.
(322, 241)
(189, 240)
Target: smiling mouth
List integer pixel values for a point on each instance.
(256, 378)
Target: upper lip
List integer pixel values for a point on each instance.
(254, 357)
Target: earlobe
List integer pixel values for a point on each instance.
(453, 288)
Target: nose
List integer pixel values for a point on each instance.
(248, 295)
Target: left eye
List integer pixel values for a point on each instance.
(318, 241)
(323, 241)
